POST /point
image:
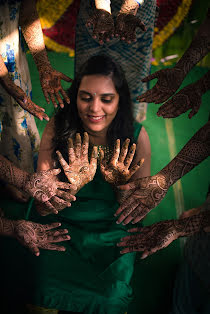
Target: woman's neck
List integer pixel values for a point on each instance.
(97, 138)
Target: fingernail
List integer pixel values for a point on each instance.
(117, 222)
(37, 254)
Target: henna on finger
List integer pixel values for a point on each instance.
(79, 171)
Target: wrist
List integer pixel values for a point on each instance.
(203, 85)
(103, 5)
(130, 7)
(7, 227)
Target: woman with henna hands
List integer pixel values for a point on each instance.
(90, 276)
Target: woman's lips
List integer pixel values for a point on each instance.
(95, 119)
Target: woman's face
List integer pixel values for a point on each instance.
(97, 103)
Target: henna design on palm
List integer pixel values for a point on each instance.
(79, 171)
(168, 81)
(103, 25)
(188, 98)
(50, 80)
(126, 25)
(117, 171)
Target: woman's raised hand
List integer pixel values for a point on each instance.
(79, 171)
(117, 171)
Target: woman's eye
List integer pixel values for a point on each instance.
(86, 99)
(106, 100)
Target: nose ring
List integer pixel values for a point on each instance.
(94, 94)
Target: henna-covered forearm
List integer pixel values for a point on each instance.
(6, 227)
(32, 32)
(198, 49)
(204, 83)
(9, 173)
(193, 224)
(191, 155)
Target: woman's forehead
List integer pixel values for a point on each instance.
(97, 83)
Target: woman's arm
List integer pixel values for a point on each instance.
(45, 161)
(143, 151)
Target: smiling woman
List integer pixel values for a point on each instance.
(91, 276)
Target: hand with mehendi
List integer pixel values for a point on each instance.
(50, 80)
(147, 193)
(126, 25)
(103, 25)
(159, 235)
(19, 95)
(150, 239)
(168, 81)
(190, 97)
(79, 171)
(44, 185)
(117, 171)
(35, 236)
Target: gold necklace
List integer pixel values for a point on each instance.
(108, 151)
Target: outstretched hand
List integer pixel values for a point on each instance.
(117, 171)
(190, 97)
(44, 185)
(145, 194)
(103, 25)
(23, 100)
(50, 80)
(150, 239)
(79, 171)
(126, 25)
(35, 236)
(168, 82)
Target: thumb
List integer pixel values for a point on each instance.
(150, 77)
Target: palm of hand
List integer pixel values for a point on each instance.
(126, 25)
(50, 80)
(169, 80)
(117, 171)
(79, 171)
(103, 25)
(187, 98)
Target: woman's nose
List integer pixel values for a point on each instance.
(95, 104)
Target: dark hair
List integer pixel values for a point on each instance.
(67, 120)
